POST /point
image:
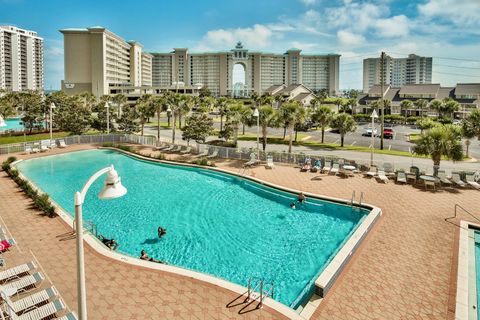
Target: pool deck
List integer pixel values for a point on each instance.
(406, 268)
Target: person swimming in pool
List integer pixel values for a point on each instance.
(293, 206)
(161, 232)
(301, 198)
(110, 243)
(144, 256)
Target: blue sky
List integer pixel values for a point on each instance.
(354, 29)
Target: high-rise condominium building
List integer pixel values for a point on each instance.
(397, 71)
(21, 59)
(215, 70)
(97, 60)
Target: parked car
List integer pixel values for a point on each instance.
(370, 131)
(388, 133)
(335, 130)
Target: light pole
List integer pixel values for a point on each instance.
(108, 117)
(52, 106)
(172, 112)
(112, 189)
(373, 116)
(256, 114)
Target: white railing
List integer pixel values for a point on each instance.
(242, 153)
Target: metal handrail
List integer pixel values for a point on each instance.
(361, 199)
(250, 290)
(269, 293)
(456, 213)
(93, 227)
(353, 198)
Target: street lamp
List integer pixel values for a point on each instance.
(172, 115)
(52, 106)
(112, 188)
(373, 116)
(256, 114)
(108, 117)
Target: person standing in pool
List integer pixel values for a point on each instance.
(301, 198)
(161, 232)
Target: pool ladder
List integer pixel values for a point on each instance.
(457, 206)
(88, 225)
(253, 295)
(352, 202)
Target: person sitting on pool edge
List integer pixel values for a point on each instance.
(144, 256)
(301, 198)
(110, 243)
(161, 232)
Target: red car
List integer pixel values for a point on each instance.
(388, 133)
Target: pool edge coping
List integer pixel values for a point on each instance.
(325, 279)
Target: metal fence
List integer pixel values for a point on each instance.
(424, 165)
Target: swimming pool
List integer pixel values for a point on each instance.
(12, 124)
(217, 223)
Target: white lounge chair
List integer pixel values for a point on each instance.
(381, 175)
(372, 172)
(471, 181)
(213, 155)
(270, 164)
(31, 301)
(441, 175)
(252, 161)
(326, 168)
(429, 184)
(52, 144)
(401, 177)
(457, 180)
(334, 169)
(46, 311)
(62, 144)
(69, 316)
(169, 148)
(28, 149)
(23, 284)
(17, 271)
(186, 151)
(203, 154)
(176, 149)
(36, 148)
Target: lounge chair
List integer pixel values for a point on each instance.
(429, 184)
(169, 148)
(326, 166)
(17, 271)
(69, 316)
(471, 181)
(6, 243)
(62, 144)
(186, 151)
(442, 176)
(46, 311)
(203, 154)
(24, 284)
(457, 180)
(28, 149)
(270, 164)
(176, 149)
(253, 160)
(31, 301)
(213, 155)
(342, 172)
(307, 165)
(35, 148)
(317, 166)
(401, 177)
(334, 169)
(381, 175)
(52, 144)
(372, 172)
(388, 168)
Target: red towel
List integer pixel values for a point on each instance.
(4, 245)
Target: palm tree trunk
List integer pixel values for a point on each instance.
(221, 122)
(158, 125)
(243, 130)
(323, 133)
(168, 119)
(284, 132)
(143, 125)
(264, 137)
(290, 140)
(296, 134)
(173, 131)
(341, 140)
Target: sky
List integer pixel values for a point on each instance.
(356, 29)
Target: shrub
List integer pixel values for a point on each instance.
(43, 203)
(11, 159)
(412, 120)
(201, 162)
(6, 166)
(108, 144)
(395, 118)
(125, 148)
(362, 117)
(160, 156)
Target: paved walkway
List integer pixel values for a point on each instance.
(406, 268)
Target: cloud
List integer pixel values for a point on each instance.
(258, 36)
(309, 2)
(459, 12)
(396, 26)
(347, 38)
(355, 16)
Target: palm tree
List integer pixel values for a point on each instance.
(339, 103)
(322, 95)
(422, 105)
(267, 118)
(405, 105)
(279, 99)
(221, 105)
(352, 103)
(158, 104)
(322, 116)
(291, 114)
(440, 141)
(234, 115)
(436, 105)
(247, 117)
(344, 123)
(119, 100)
(472, 123)
(145, 109)
(255, 98)
(449, 107)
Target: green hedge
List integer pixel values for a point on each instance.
(41, 201)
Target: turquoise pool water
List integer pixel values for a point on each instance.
(216, 223)
(12, 124)
(477, 268)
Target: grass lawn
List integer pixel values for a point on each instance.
(414, 137)
(163, 124)
(33, 137)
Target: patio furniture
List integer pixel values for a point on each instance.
(372, 172)
(270, 164)
(46, 311)
(62, 144)
(203, 154)
(388, 168)
(442, 176)
(429, 183)
(169, 148)
(28, 149)
(457, 180)
(335, 168)
(17, 271)
(381, 175)
(186, 151)
(252, 161)
(307, 165)
(401, 177)
(326, 167)
(69, 316)
(36, 148)
(349, 169)
(213, 155)
(24, 284)
(471, 181)
(31, 301)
